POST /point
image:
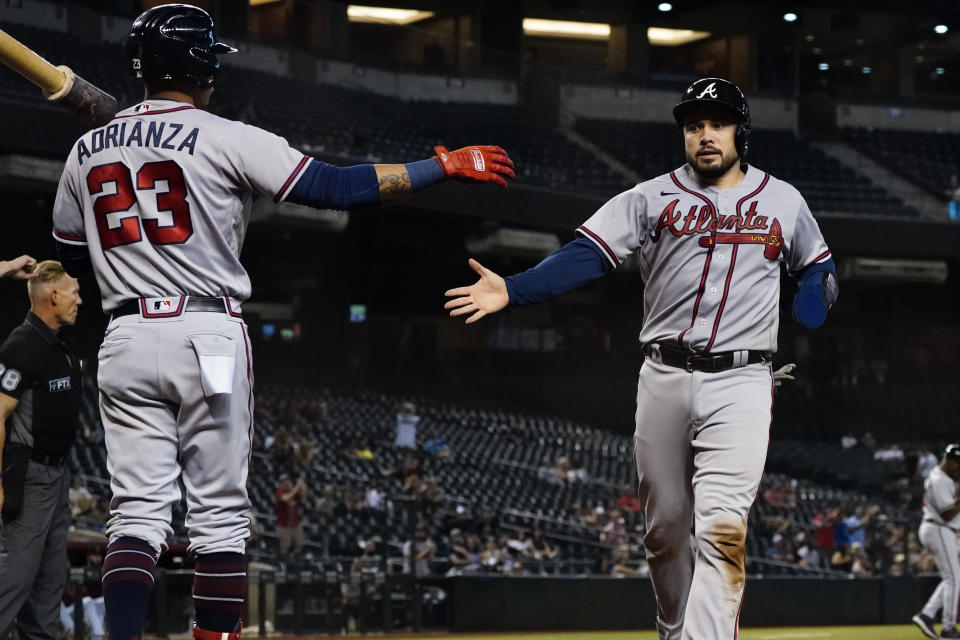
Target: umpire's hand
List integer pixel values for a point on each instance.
(488, 295)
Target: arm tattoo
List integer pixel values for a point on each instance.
(394, 182)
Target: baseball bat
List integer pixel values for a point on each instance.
(59, 84)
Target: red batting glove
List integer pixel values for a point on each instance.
(479, 163)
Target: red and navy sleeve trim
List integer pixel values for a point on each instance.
(291, 179)
(155, 113)
(69, 239)
(826, 255)
(614, 260)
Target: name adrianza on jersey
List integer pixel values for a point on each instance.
(162, 135)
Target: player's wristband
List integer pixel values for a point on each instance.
(424, 173)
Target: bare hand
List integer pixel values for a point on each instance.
(488, 295)
(22, 268)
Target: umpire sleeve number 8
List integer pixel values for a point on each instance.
(9, 378)
(117, 225)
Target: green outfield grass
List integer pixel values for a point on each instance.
(888, 632)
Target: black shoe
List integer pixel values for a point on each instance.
(926, 625)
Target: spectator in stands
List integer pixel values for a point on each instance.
(860, 567)
(842, 559)
(376, 498)
(282, 450)
(492, 557)
(824, 534)
(419, 552)
(406, 428)
(856, 525)
(81, 502)
(621, 567)
(306, 454)
(540, 547)
(628, 500)
(432, 495)
(462, 559)
(289, 525)
(781, 550)
(614, 532)
(351, 499)
(772, 495)
(547, 471)
(806, 555)
(327, 504)
(848, 441)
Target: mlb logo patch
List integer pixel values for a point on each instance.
(166, 307)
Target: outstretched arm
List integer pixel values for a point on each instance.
(19, 268)
(572, 266)
(324, 185)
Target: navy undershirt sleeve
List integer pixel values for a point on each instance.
(817, 291)
(75, 259)
(325, 186)
(572, 266)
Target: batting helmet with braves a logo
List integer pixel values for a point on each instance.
(721, 92)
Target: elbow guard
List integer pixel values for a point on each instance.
(818, 290)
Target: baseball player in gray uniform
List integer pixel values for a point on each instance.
(938, 533)
(156, 203)
(711, 236)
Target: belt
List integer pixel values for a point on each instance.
(194, 303)
(939, 524)
(48, 459)
(673, 356)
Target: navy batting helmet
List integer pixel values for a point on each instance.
(175, 42)
(724, 93)
(952, 452)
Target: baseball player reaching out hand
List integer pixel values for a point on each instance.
(156, 204)
(711, 237)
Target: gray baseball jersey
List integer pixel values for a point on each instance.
(710, 258)
(161, 196)
(939, 494)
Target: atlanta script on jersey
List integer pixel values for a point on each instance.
(710, 258)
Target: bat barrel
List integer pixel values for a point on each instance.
(30, 65)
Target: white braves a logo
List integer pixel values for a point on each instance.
(711, 91)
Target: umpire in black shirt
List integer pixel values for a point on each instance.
(40, 391)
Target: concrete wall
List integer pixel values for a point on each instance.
(651, 105)
(902, 118)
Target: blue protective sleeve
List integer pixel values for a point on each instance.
(817, 291)
(75, 259)
(573, 265)
(325, 186)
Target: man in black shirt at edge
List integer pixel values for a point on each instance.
(40, 392)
